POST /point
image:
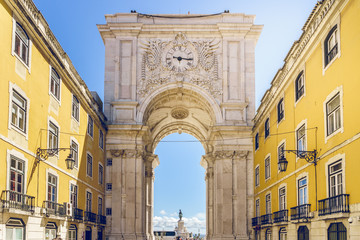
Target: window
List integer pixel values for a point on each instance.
(52, 189)
(50, 231)
(267, 127)
(281, 152)
(257, 235)
(109, 162)
(101, 139)
(257, 177)
(268, 234)
(303, 233)
(75, 152)
(280, 108)
(282, 199)
(89, 163)
(256, 141)
(108, 186)
(282, 234)
(14, 229)
(90, 129)
(331, 45)
(268, 203)
(267, 168)
(100, 206)
(22, 42)
(18, 111)
(337, 231)
(55, 84)
(257, 207)
(335, 179)
(53, 135)
(72, 233)
(101, 174)
(75, 108)
(299, 86)
(301, 138)
(17, 171)
(108, 211)
(73, 195)
(302, 191)
(333, 114)
(88, 201)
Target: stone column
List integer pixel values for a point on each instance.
(151, 162)
(207, 162)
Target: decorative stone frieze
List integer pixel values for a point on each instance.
(126, 153)
(228, 154)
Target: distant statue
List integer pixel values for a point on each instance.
(180, 214)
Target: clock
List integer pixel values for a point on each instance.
(179, 59)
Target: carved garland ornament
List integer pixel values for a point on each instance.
(179, 113)
(228, 154)
(179, 60)
(126, 153)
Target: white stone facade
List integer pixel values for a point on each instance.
(180, 73)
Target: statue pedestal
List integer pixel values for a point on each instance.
(181, 230)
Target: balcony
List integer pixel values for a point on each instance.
(90, 217)
(53, 208)
(336, 204)
(266, 219)
(280, 216)
(300, 212)
(101, 219)
(11, 199)
(255, 221)
(78, 214)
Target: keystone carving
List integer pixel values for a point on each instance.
(179, 113)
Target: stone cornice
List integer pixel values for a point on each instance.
(45, 37)
(319, 13)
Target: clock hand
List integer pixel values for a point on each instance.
(188, 58)
(178, 58)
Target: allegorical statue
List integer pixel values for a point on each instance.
(180, 214)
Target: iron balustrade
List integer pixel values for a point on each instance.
(101, 219)
(78, 214)
(299, 212)
(255, 221)
(90, 217)
(336, 204)
(280, 216)
(12, 199)
(266, 219)
(54, 208)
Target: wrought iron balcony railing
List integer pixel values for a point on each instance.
(53, 208)
(266, 219)
(336, 204)
(255, 221)
(11, 199)
(101, 219)
(300, 212)
(78, 214)
(280, 216)
(89, 217)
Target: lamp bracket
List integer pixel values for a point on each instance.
(46, 152)
(309, 156)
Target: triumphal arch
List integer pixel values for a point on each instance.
(180, 73)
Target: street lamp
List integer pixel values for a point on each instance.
(309, 156)
(44, 153)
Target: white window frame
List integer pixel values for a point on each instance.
(338, 90)
(278, 193)
(257, 207)
(266, 136)
(27, 66)
(303, 122)
(90, 127)
(53, 121)
(78, 108)
(19, 155)
(277, 149)
(50, 80)
(12, 226)
(54, 173)
(102, 179)
(77, 161)
(101, 139)
(257, 176)
(343, 167)
(92, 165)
(268, 156)
(277, 110)
(302, 71)
(102, 205)
(268, 203)
(88, 191)
(72, 182)
(327, 31)
(12, 88)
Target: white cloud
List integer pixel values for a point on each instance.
(193, 224)
(163, 212)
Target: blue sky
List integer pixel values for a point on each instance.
(74, 25)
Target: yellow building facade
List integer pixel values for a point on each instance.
(308, 120)
(49, 119)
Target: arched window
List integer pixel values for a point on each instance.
(337, 231)
(267, 127)
(72, 233)
(50, 231)
(282, 234)
(303, 233)
(331, 45)
(15, 229)
(88, 233)
(256, 141)
(268, 234)
(280, 110)
(21, 47)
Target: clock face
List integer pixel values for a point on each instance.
(179, 59)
